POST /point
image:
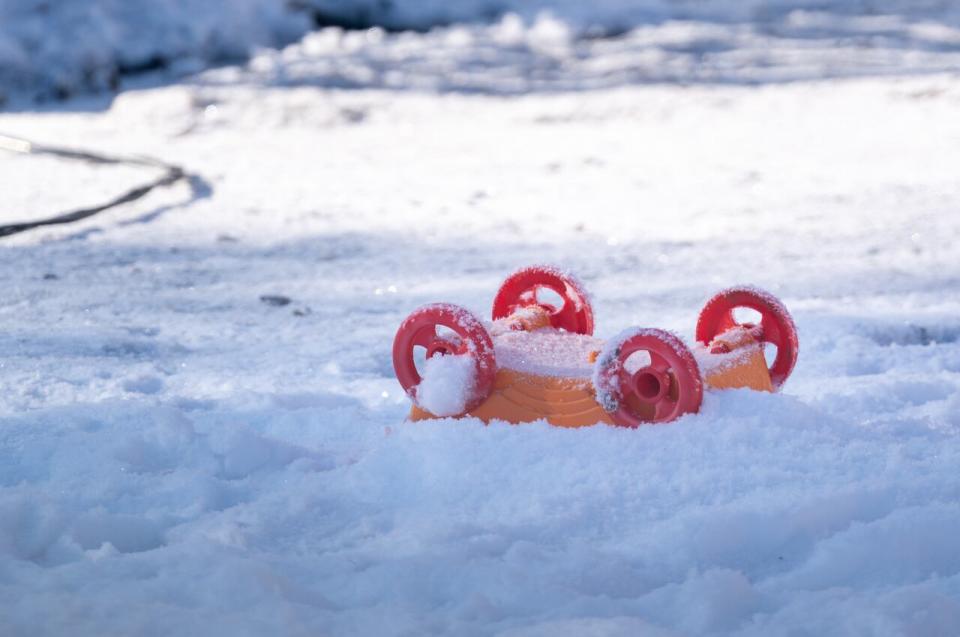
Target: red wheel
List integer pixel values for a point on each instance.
(520, 291)
(776, 325)
(659, 389)
(465, 334)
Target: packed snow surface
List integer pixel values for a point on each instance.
(447, 384)
(177, 454)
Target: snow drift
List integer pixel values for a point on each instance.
(56, 49)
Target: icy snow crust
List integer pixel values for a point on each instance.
(176, 454)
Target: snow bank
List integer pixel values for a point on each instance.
(55, 49)
(599, 16)
(517, 55)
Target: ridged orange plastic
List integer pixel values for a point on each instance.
(520, 397)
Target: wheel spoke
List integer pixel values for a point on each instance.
(528, 298)
(771, 330)
(624, 380)
(566, 315)
(424, 336)
(658, 362)
(727, 322)
(665, 409)
(458, 347)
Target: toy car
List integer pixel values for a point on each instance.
(538, 358)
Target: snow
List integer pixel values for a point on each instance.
(615, 16)
(517, 55)
(710, 362)
(50, 50)
(177, 454)
(547, 352)
(447, 384)
(56, 49)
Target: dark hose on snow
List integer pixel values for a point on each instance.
(171, 175)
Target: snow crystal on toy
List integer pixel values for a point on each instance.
(547, 352)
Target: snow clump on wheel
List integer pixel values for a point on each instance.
(447, 385)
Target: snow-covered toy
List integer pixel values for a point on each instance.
(538, 358)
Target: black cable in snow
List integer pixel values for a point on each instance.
(172, 174)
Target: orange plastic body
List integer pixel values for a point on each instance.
(742, 363)
(519, 397)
